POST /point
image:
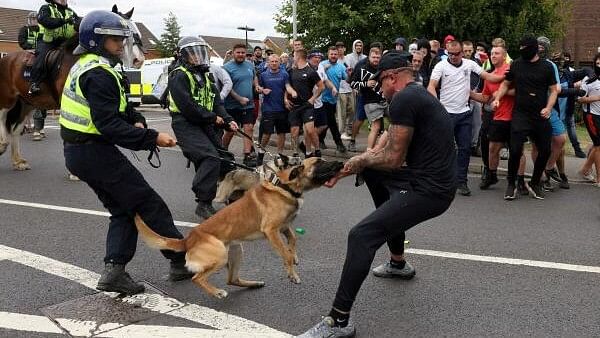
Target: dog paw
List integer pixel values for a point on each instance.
(21, 165)
(294, 279)
(220, 294)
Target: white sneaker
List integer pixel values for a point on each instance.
(346, 137)
(36, 136)
(43, 133)
(587, 176)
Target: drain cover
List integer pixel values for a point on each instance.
(101, 312)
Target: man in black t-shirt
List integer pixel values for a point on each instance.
(303, 79)
(420, 136)
(536, 92)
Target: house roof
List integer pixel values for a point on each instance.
(220, 44)
(282, 43)
(12, 19)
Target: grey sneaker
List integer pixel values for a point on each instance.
(352, 146)
(326, 329)
(386, 270)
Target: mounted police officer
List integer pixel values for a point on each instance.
(57, 23)
(197, 110)
(93, 121)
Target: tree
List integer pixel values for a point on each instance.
(168, 40)
(325, 22)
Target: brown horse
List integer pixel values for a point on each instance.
(15, 102)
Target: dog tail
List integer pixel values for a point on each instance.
(157, 241)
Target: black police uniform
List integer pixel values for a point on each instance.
(196, 132)
(97, 161)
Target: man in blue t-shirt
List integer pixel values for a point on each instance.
(336, 72)
(239, 104)
(273, 84)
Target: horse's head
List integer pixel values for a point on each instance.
(133, 55)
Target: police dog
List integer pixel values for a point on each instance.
(238, 181)
(262, 212)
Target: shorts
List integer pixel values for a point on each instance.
(375, 111)
(320, 117)
(499, 131)
(272, 122)
(592, 123)
(301, 114)
(558, 127)
(361, 115)
(242, 116)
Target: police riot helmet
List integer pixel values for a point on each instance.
(30, 17)
(95, 27)
(194, 53)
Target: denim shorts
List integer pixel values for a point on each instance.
(558, 127)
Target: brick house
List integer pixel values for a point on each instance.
(11, 20)
(583, 31)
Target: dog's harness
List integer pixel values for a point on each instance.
(271, 177)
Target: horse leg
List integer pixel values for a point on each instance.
(3, 131)
(18, 162)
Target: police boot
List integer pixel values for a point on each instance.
(34, 88)
(205, 209)
(178, 271)
(115, 279)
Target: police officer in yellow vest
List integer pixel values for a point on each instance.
(196, 108)
(28, 34)
(57, 23)
(93, 122)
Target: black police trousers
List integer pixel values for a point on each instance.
(124, 192)
(200, 149)
(398, 208)
(38, 70)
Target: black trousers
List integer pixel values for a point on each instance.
(124, 192)
(484, 141)
(332, 125)
(398, 208)
(198, 147)
(38, 70)
(540, 133)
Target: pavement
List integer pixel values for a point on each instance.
(486, 267)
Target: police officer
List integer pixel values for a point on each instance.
(197, 109)
(93, 122)
(57, 23)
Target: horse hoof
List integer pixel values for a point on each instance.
(3, 147)
(220, 294)
(21, 165)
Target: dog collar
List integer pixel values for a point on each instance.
(288, 189)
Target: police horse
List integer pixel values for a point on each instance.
(15, 102)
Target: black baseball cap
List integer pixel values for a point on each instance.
(391, 60)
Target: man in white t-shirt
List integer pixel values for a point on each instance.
(591, 106)
(454, 77)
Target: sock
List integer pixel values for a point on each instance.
(397, 264)
(339, 319)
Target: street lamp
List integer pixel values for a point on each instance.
(246, 28)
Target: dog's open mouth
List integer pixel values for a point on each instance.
(326, 170)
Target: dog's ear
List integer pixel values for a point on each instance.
(296, 172)
(115, 9)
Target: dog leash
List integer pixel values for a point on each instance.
(234, 163)
(154, 152)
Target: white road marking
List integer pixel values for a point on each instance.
(23, 322)
(161, 304)
(454, 255)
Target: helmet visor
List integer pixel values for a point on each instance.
(196, 55)
(115, 31)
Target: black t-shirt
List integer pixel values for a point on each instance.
(303, 81)
(531, 81)
(431, 156)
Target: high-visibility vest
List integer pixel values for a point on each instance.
(64, 32)
(74, 107)
(32, 36)
(204, 96)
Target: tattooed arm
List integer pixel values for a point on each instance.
(390, 158)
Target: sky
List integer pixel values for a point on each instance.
(197, 17)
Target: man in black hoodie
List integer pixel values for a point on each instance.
(375, 105)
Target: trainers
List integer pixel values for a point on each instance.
(346, 137)
(37, 136)
(536, 191)
(463, 189)
(580, 153)
(547, 185)
(553, 174)
(43, 133)
(522, 188)
(322, 145)
(205, 210)
(587, 176)
(504, 154)
(386, 270)
(178, 271)
(317, 153)
(115, 279)
(341, 148)
(249, 161)
(564, 183)
(302, 147)
(511, 192)
(352, 146)
(326, 329)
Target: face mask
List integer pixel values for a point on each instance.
(529, 52)
(597, 70)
